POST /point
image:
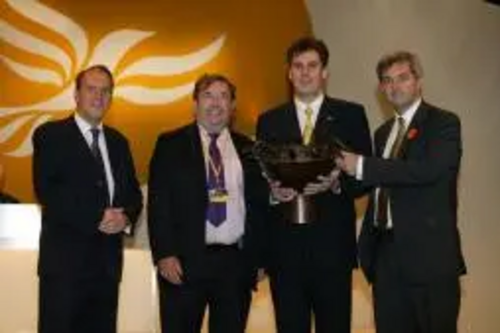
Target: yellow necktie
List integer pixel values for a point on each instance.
(308, 127)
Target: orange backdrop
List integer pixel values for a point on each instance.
(156, 49)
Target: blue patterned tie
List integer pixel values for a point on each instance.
(216, 211)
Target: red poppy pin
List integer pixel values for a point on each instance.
(412, 133)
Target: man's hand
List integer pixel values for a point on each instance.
(113, 221)
(261, 275)
(282, 194)
(348, 162)
(170, 268)
(324, 183)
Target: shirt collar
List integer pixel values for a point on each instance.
(410, 112)
(206, 136)
(84, 125)
(315, 105)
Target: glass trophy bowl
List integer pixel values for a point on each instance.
(294, 166)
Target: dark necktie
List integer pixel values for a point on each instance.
(217, 203)
(383, 193)
(96, 151)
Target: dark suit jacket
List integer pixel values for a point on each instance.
(333, 236)
(70, 189)
(178, 199)
(423, 196)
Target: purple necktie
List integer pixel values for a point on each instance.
(216, 209)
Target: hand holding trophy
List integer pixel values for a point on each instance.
(298, 172)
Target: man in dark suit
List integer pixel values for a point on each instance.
(206, 200)
(85, 181)
(310, 265)
(409, 244)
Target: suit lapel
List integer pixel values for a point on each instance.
(242, 145)
(324, 127)
(197, 161)
(238, 145)
(414, 129)
(243, 148)
(113, 155)
(114, 160)
(383, 136)
(82, 153)
(82, 145)
(78, 137)
(291, 133)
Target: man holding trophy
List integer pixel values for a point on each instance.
(312, 239)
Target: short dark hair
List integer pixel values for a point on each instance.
(100, 68)
(305, 44)
(206, 80)
(398, 57)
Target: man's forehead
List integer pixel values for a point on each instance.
(306, 57)
(95, 76)
(217, 86)
(398, 68)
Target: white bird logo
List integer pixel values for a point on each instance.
(108, 51)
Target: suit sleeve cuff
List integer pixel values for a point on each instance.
(359, 168)
(273, 201)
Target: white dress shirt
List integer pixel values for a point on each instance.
(315, 106)
(231, 230)
(85, 129)
(301, 108)
(407, 117)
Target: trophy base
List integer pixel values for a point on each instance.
(301, 210)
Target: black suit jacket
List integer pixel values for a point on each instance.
(178, 200)
(333, 236)
(423, 197)
(71, 190)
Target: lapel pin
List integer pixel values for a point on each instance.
(412, 133)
